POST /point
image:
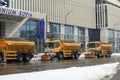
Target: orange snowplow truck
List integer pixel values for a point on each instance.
(19, 50)
(64, 49)
(100, 49)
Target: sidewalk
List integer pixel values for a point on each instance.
(116, 76)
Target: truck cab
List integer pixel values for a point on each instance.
(53, 45)
(100, 49)
(93, 46)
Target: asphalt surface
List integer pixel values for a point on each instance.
(117, 75)
(33, 66)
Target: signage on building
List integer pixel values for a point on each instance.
(4, 3)
(15, 12)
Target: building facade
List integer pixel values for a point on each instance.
(108, 20)
(67, 19)
(70, 20)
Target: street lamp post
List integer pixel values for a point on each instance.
(67, 15)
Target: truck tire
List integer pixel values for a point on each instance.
(108, 54)
(20, 57)
(1, 58)
(77, 55)
(27, 57)
(73, 55)
(60, 56)
(99, 54)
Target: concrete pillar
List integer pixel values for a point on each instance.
(104, 35)
(75, 34)
(86, 37)
(48, 27)
(115, 40)
(62, 29)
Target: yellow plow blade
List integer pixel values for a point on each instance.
(89, 55)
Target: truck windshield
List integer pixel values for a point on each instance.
(93, 45)
(52, 44)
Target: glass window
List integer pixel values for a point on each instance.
(118, 34)
(111, 38)
(110, 33)
(93, 45)
(81, 31)
(81, 35)
(52, 44)
(29, 30)
(54, 27)
(106, 16)
(69, 33)
(69, 30)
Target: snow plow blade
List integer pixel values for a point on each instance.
(45, 57)
(89, 55)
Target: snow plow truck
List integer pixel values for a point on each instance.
(20, 50)
(63, 49)
(98, 49)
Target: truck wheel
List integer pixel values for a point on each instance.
(108, 54)
(99, 54)
(60, 56)
(77, 56)
(20, 57)
(27, 57)
(73, 55)
(1, 58)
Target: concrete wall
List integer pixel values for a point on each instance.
(104, 35)
(113, 17)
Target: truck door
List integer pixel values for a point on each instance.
(2, 29)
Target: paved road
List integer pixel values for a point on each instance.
(13, 68)
(117, 76)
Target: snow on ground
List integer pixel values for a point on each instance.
(97, 72)
(81, 57)
(36, 57)
(115, 54)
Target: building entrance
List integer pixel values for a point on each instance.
(2, 29)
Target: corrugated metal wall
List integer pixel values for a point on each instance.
(72, 12)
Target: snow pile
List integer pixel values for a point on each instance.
(81, 57)
(97, 72)
(115, 54)
(37, 57)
